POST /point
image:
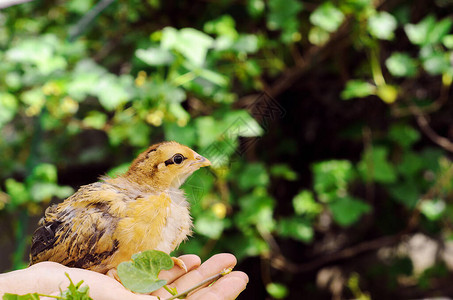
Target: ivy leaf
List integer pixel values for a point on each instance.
(155, 56)
(283, 16)
(436, 63)
(296, 228)
(141, 274)
(254, 174)
(331, 178)
(191, 43)
(357, 89)
(382, 25)
(283, 171)
(327, 17)
(401, 65)
(440, 30)
(433, 209)
(418, 33)
(404, 135)
(304, 203)
(348, 210)
(375, 166)
(405, 192)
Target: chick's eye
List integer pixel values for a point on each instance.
(178, 158)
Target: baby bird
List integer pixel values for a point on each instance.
(104, 223)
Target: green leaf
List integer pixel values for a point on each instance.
(404, 135)
(185, 135)
(304, 203)
(418, 34)
(283, 16)
(209, 225)
(141, 274)
(8, 108)
(436, 63)
(331, 178)
(247, 43)
(401, 65)
(17, 191)
(239, 123)
(348, 210)
(277, 290)
(222, 26)
(79, 6)
(8, 296)
(448, 41)
(113, 91)
(254, 174)
(208, 129)
(255, 7)
(296, 228)
(45, 173)
(191, 43)
(95, 119)
(357, 89)
(382, 25)
(282, 12)
(440, 30)
(433, 209)
(283, 171)
(327, 16)
(256, 210)
(76, 291)
(410, 165)
(405, 192)
(375, 166)
(155, 56)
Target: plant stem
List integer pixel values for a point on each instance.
(170, 290)
(206, 281)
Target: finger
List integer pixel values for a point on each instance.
(226, 288)
(191, 261)
(212, 266)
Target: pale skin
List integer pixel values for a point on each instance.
(49, 277)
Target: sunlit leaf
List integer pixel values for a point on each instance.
(418, 34)
(327, 16)
(357, 89)
(382, 25)
(277, 290)
(304, 203)
(191, 43)
(401, 65)
(433, 209)
(155, 56)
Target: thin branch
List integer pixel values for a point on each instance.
(423, 123)
(204, 282)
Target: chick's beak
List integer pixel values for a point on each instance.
(201, 161)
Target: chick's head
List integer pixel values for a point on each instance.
(166, 165)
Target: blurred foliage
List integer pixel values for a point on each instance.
(85, 83)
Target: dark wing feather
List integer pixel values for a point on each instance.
(76, 235)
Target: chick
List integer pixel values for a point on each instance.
(104, 223)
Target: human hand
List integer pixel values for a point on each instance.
(49, 277)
